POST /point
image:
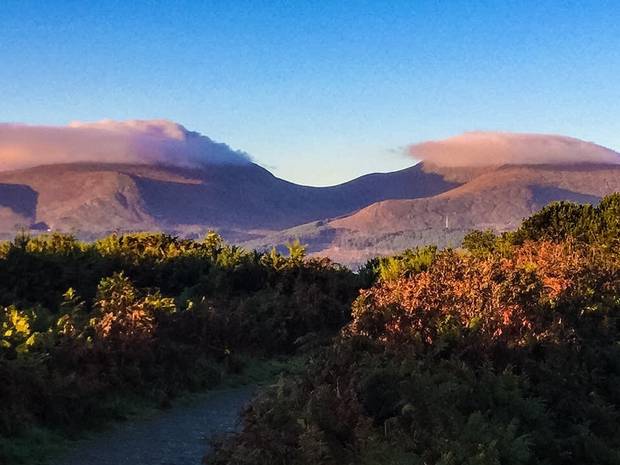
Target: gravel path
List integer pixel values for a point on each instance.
(175, 437)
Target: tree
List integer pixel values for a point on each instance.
(296, 252)
(480, 242)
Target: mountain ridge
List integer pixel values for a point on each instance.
(94, 198)
(498, 199)
(156, 175)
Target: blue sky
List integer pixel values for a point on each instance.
(319, 92)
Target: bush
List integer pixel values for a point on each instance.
(504, 353)
(148, 315)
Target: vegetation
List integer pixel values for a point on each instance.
(557, 221)
(504, 352)
(85, 325)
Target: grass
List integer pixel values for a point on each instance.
(264, 371)
(35, 447)
(39, 445)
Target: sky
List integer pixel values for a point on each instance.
(318, 92)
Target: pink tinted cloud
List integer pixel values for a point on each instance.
(149, 142)
(500, 148)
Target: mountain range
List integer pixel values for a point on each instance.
(147, 181)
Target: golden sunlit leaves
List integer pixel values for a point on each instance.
(496, 297)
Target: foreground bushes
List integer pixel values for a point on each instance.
(508, 354)
(146, 315)
(504, 353)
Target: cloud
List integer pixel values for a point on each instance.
(157, 142)
(501, 148)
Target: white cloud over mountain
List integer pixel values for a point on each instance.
(501, 148)
(136, 141)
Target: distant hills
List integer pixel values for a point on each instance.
(241, 201)
(497, 199)
(170, 185)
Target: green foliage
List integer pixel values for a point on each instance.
(296, 252)
(409, 262)
(480, 242)
(559, 220)
(147, 315)
(504, 354)
(15, 330)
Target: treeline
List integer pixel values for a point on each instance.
(149, 315)
(506, 351)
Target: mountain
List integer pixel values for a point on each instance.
(495, 198)
(241, 200)
(94, 178)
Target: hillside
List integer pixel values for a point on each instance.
(498, 199)
(239, 200)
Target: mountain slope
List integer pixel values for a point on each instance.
(498, 199)
(241, 200)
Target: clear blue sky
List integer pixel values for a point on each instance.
(318, 91)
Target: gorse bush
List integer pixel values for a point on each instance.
(514, 299)
(148, 315)
(506, 352)
(392, 268)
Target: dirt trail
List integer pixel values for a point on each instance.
(178, 436)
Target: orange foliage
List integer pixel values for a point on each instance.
(499, 299)
(127, 321)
